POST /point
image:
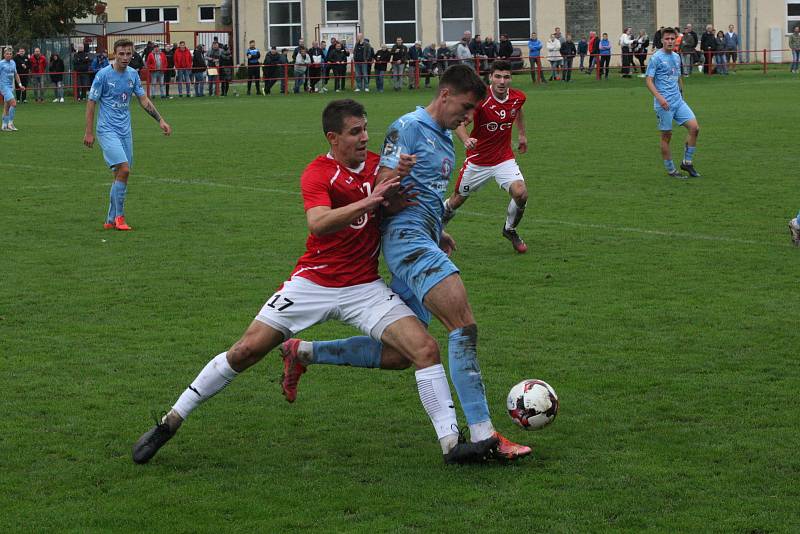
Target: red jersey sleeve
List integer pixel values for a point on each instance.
(315, 186)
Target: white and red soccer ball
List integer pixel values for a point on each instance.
(532, 404)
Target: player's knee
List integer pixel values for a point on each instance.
(428, 354)
(122, 172)
(694, 129)
(243, 354)
(520, 196)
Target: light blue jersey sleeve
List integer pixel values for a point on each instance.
(651, 66)
(401, 138)
(96, 91)
(138, 90)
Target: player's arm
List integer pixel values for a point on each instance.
(522, 137)
(324, 220)
(151, 110)
(652, 88)
(469, 142)
(88, 136)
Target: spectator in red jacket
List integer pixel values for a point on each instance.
(38, 69)
(183, 66)
(157, 63)
(592, 47)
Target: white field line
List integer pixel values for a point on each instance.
(144, 179)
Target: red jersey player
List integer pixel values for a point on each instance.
(337, 278)
(489, 153)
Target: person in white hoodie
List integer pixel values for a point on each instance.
(301, 63)
(554, 56)
(625, 43)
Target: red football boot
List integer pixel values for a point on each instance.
(292, 369)
(508, 450)
(120, 224)
(108, 226)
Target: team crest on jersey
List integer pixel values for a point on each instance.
(130, 84)
(447, 168)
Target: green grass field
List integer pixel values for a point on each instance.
(662, 311)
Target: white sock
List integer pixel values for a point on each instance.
(434, 392)
(481, 431)
(514, 215)
(305, 352)
(212, 379)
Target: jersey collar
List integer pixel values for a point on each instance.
(356, 170)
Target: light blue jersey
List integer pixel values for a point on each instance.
(411, 237)
(418, 134)
(113, 91)
(665, 70)
(8, 70)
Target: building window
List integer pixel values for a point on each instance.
(285, 23)
(698, 13)
(639, 15)
(399, 20)
(582, 17)
(152, 14)
(341, 11)
(456, 19)
(792, 16)
(514, 19)
(205, 14)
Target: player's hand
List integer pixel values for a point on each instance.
(663, 103)
(88, 140)
(447, 243)
(407, 161)
(22, 88)
(522, 145)
(166, 128)
(470, 143)
(382, 190)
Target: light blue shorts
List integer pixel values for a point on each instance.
(8, 94)
(680, 114)
(417, 264)
(116, 149)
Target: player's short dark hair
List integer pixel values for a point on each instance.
(461, 79)
(119, 43)
(500, 64)
(335, 113)
(667, 30)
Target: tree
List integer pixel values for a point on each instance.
(23, 20)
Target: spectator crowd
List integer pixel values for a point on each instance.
(177, 70)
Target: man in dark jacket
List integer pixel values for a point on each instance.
(199, 70)
(23, 63)
(273, 71)
(688, 46)
(81, 63)
(362, 57)
(444, 57)
(708, 44)
(399, 60)
(568, 52)
(505, 50)
(168, 74)
(383, 58)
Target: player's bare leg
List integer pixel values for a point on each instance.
(256, 342)
(690, 148)
(116, 206)
(666, 154)
(447, 300)
(516, 209)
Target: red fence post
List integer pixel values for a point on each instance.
(286, 77)
(597, 64)
(352, 75)
(765, 60)
(74, 86)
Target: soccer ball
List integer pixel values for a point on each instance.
(532, 404)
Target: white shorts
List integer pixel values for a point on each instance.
(472, 177)
(300, 304)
